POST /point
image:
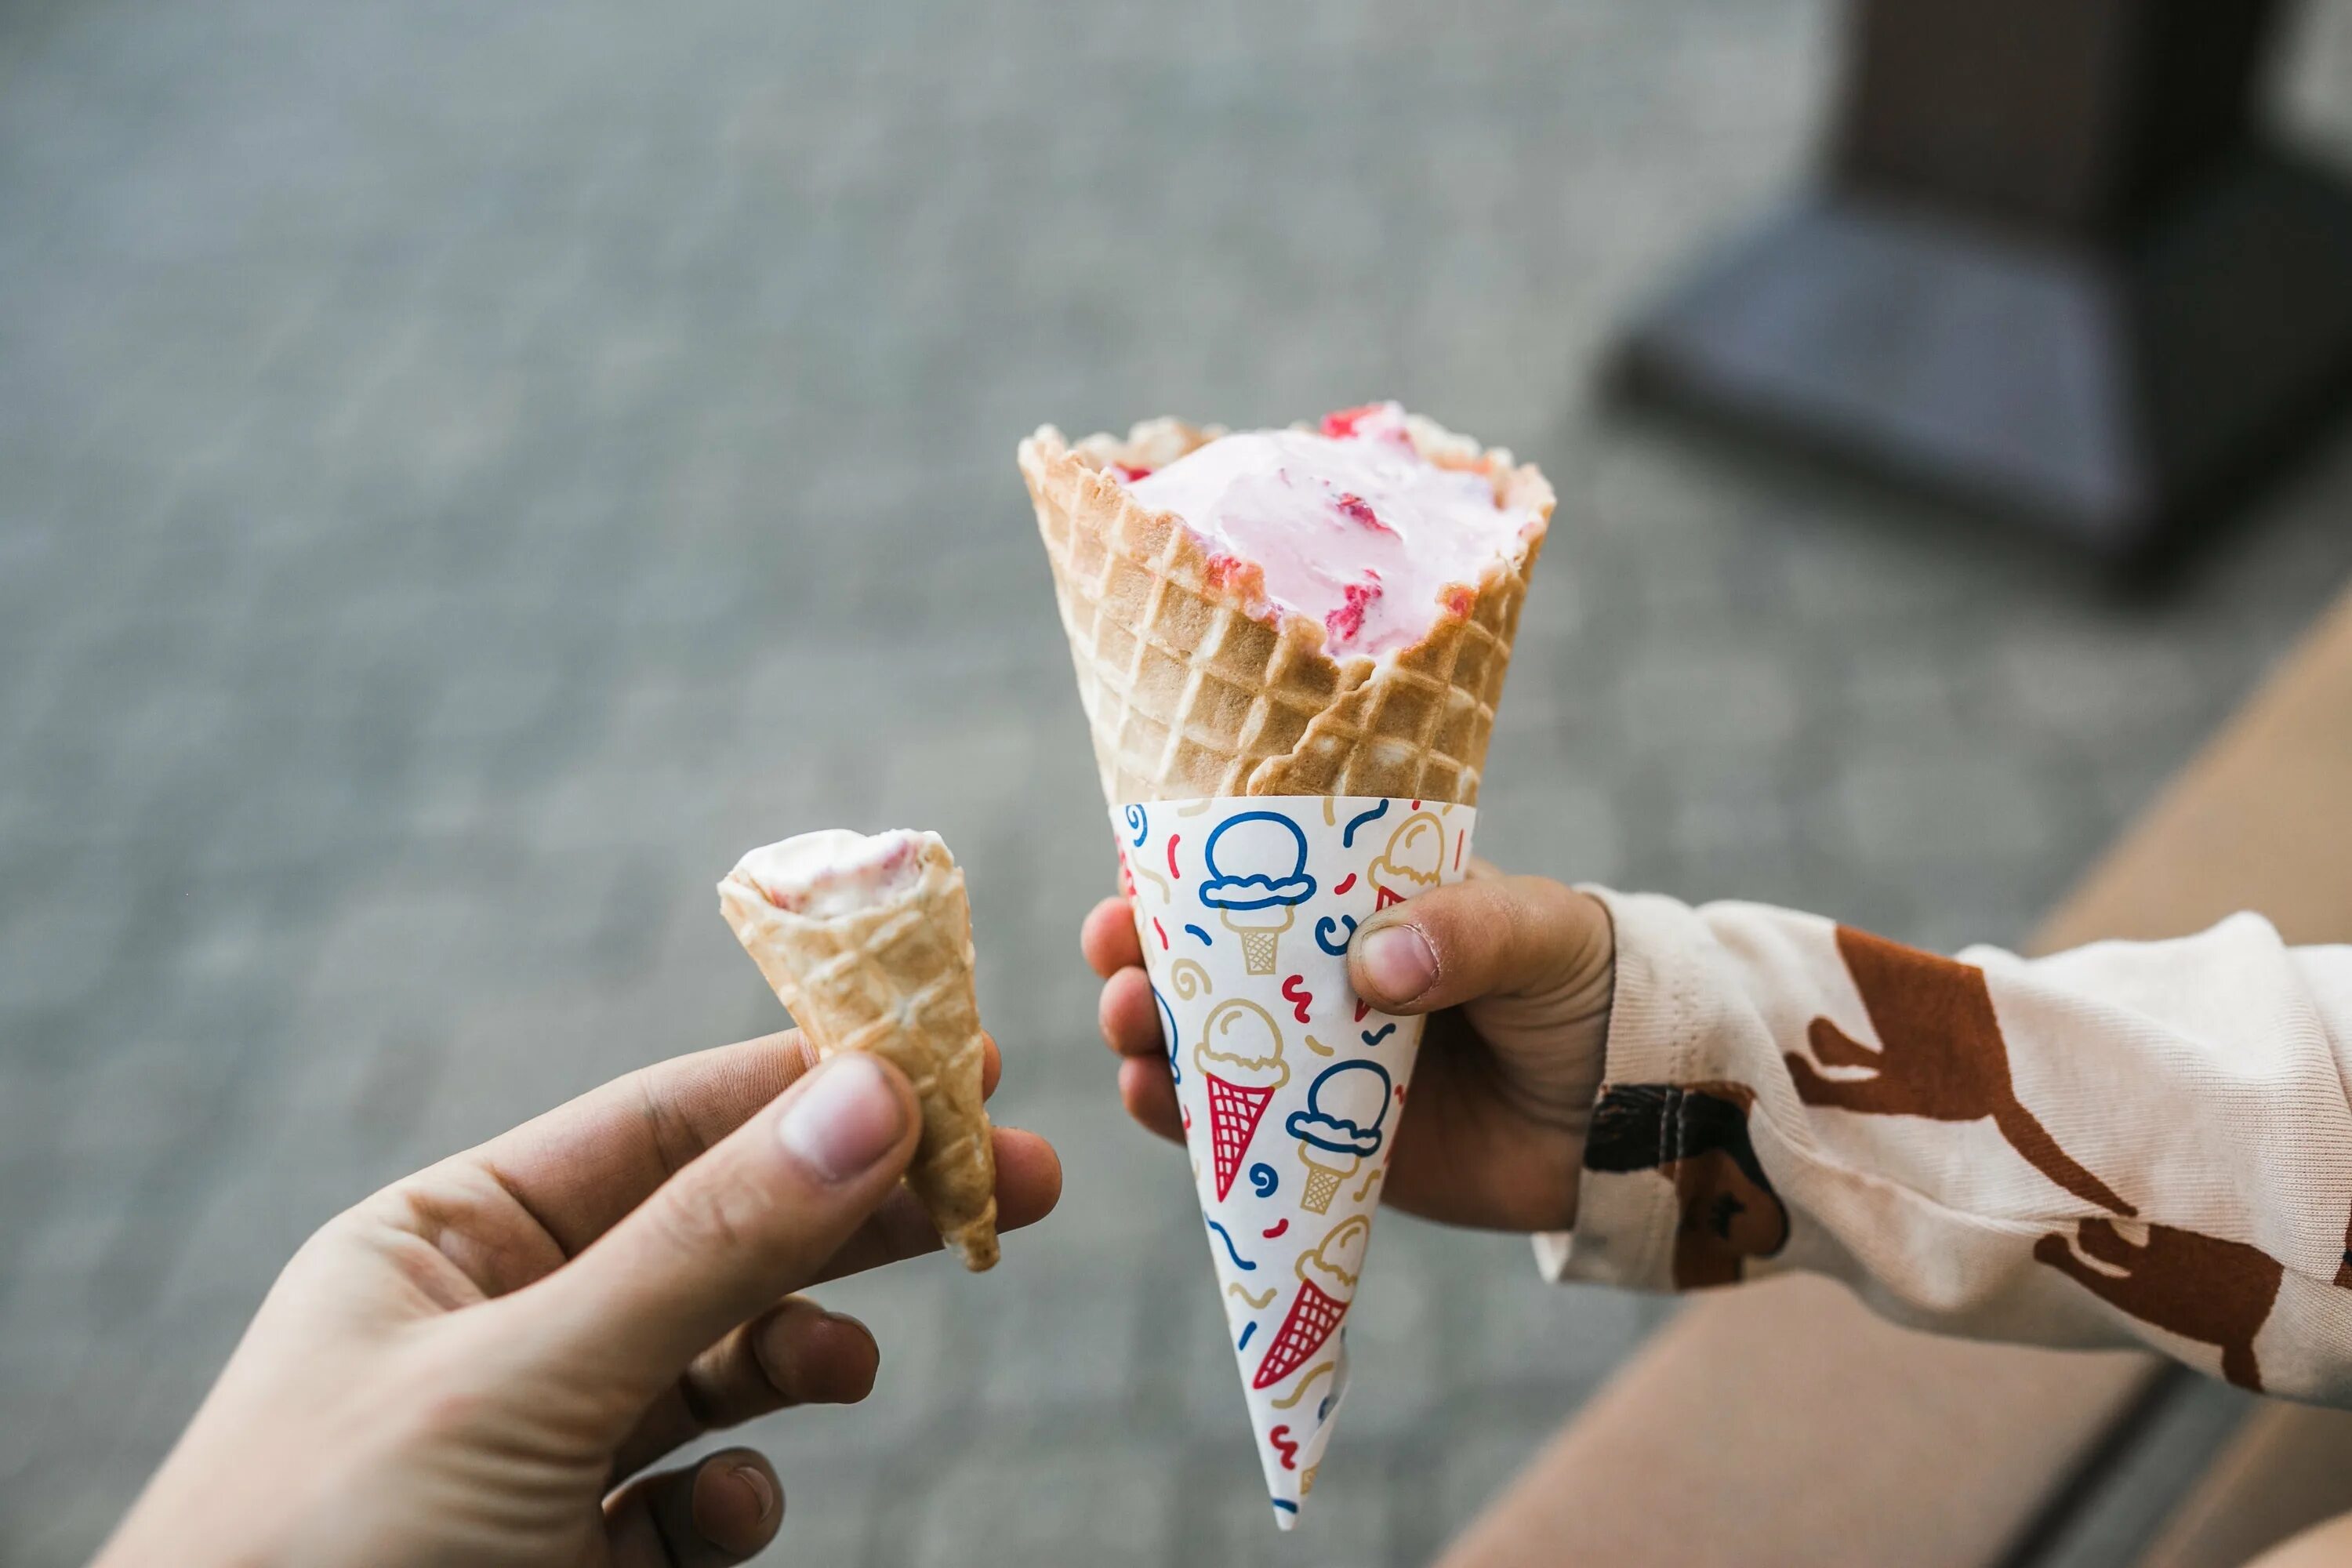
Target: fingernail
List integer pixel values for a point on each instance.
(843, 1119)
(1397, 961)
(754, 1480)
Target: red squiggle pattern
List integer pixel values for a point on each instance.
(1173, 840)
(1160, 934)
(1295, 992)
(1279, 1226)
(1284, 1446)
(1346, 885)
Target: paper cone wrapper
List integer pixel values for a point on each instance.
(1291, 1088)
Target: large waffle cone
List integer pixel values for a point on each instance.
(896, 979)
(1195, 687)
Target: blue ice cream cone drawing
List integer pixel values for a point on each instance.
(1257, 879)
(1413, 863)
(1340, 1129)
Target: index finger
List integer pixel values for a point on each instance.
(578, 1169)
(1109, 939)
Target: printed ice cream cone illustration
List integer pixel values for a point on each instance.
(1340, 1128)
(1412, 863)
(868, 942)
(1257, 879)
(1325, 1171)
(1259, 931)
(1327, 1284)
(1239, 1054)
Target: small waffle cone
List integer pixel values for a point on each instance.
(896, 979)
(1194, 686)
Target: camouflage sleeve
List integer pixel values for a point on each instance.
(2130, 1142)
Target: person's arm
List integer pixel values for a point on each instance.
(490, 1361)
(2145, 1141)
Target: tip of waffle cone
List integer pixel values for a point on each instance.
(977, 1244)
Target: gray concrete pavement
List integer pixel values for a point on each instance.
(467, 472)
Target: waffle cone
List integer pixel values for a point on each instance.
(896, 979)
(1195, 687)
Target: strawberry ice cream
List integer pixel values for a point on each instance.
(837, 872)
(1350, 526)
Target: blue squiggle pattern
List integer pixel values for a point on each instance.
(1326, 926)
(1243, 1264)
(1247, 1330)
(1385, 1031)
(1205, 940)
(1264, 1179)
(1168, 1033)
(1347, 838)
(1138, 820)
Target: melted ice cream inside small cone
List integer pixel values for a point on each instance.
(868, 942)
(836, 872)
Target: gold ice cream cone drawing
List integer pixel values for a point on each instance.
(1260, 930)
(1325, 1171)
(1412, 863)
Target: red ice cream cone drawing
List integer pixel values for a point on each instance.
(1239, 1054)
(1327, 1284)
(1413, 863)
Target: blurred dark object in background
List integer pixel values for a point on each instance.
(2055, 266)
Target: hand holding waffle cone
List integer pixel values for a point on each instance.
(868, 942)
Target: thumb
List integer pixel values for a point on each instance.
(750, 1220)
(1513, 936)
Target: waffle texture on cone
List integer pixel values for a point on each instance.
(896, 979)
(1192, 689)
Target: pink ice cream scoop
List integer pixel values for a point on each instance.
(837, 872)
(1350, 526)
